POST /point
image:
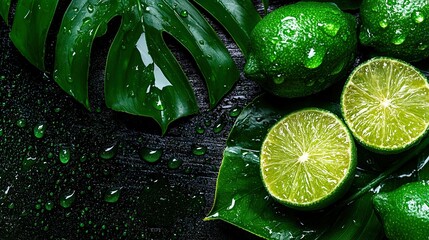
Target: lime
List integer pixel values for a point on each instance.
(385, 103)
(308, 159)
(396, 28)
(301, 48)
(405, 211)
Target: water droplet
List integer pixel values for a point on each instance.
(83, 158)
(28, 162)
(1, 132)
(184, 13)
(219, 125)
(64, 155)
(174, 163)
(112, 195)
(383, 23)
(21, 123)
(39, 130)
(90, 8)
(418, 17)
(150, 155)
(109, 151)
(67, 199)
(399, 38)
(49, 205)
(2, 77)
(331, 29)
(207, 122)
(199, 130)
(199, 150)
(314, 58)
(11, 206)
(235, 112)
(422, 47)
(156, 101)
(201, 42)
(310, 82)
(338, 68)
(278, 80)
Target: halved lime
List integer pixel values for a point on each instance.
(308, 159)
(385, 104)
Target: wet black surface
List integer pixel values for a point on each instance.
(155, 202)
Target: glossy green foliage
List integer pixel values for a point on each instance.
(4, 9)
(30, 29)
(242, 200)
(142, 75)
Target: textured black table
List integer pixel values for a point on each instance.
(155, 201)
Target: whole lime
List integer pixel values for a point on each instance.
(397, 28)
(405, 211)
(302, 48)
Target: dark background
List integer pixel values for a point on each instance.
(155, 202)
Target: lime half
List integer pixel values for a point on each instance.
(385, 103)
(308, 159)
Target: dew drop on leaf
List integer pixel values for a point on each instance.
(184, 13)
(90, 8)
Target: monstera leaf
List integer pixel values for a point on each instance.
(242, 200)
(142, 75)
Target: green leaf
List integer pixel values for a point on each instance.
(343, 4)
(142, 75)
(238, 17)
(30, 29)
(4, 10)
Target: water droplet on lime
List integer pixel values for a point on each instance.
(399, 38)
(383, 23)
(331, 29)
(418, 17)
(314, 58)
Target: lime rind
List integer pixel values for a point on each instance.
(308, 159)
(386, 116)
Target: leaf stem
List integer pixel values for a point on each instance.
(397, 165)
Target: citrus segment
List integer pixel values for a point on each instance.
(385, 104)
(307, 159)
